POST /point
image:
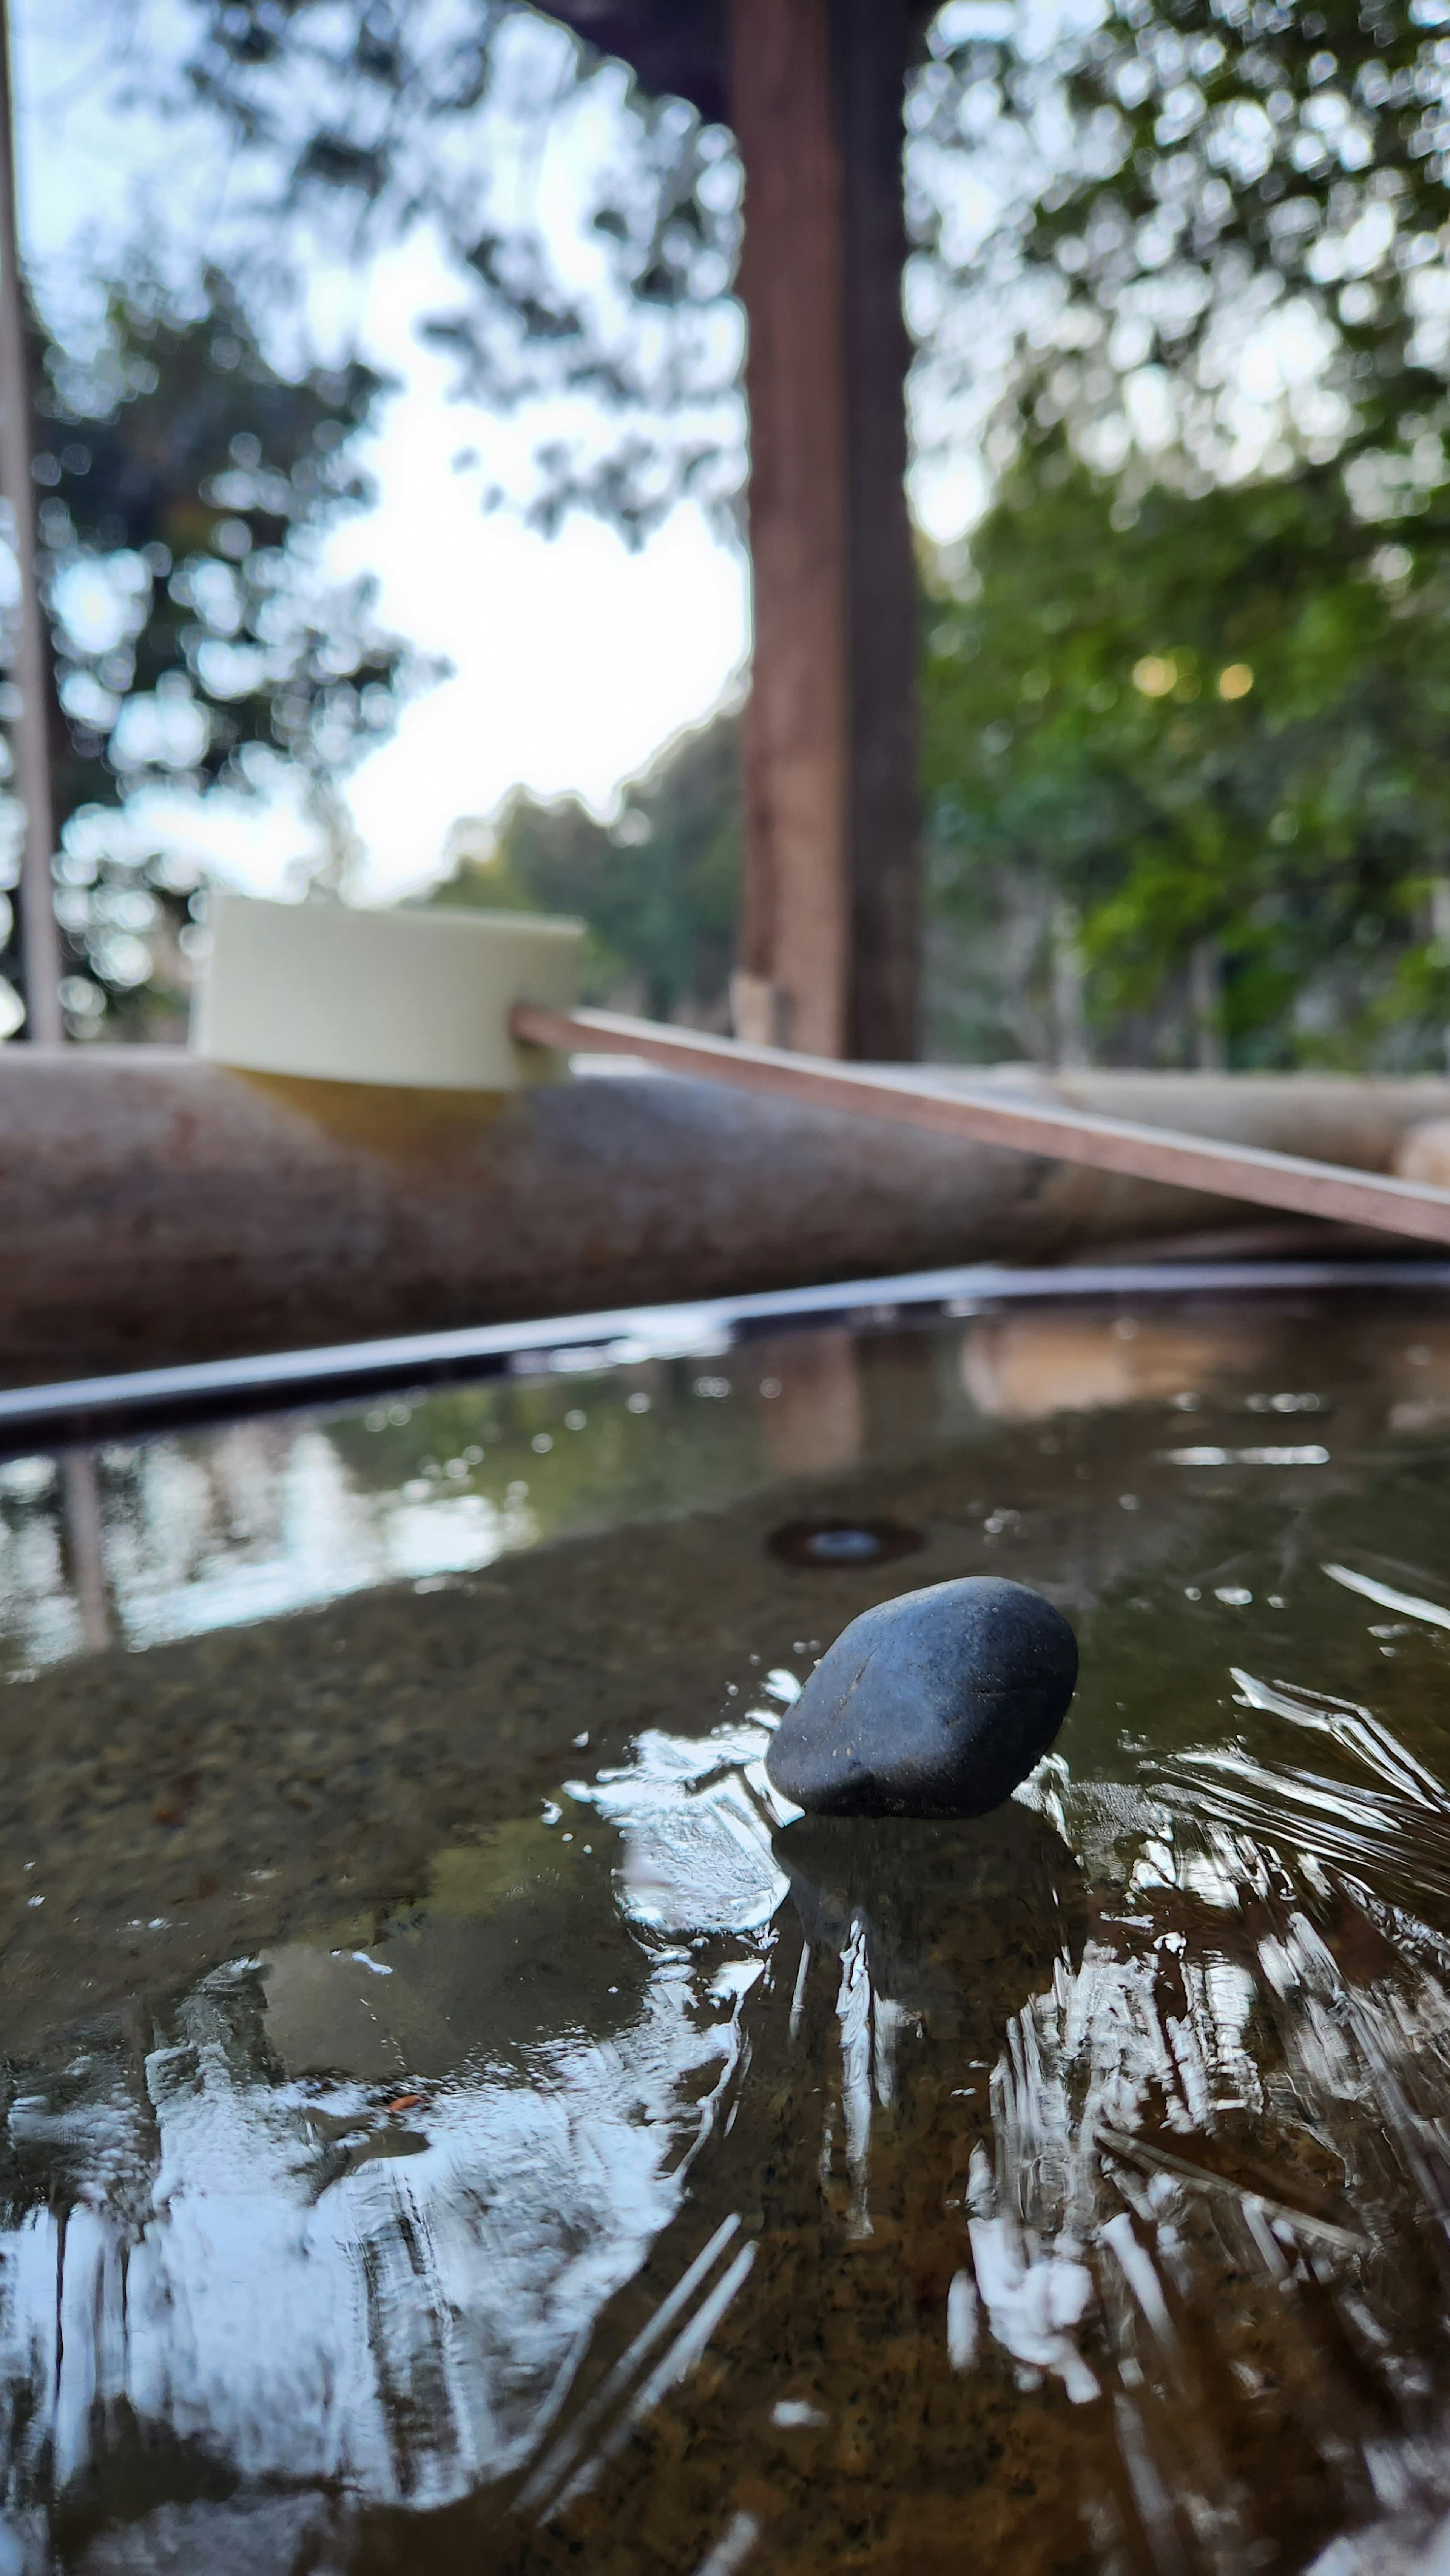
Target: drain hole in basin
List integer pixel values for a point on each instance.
(840, 1546)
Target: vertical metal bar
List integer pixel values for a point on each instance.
(39, 937)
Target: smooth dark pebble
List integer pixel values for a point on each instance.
(936, 1704)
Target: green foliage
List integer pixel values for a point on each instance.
(1177, 173)
(182, 484)
(1200, 310)
(373, 122)
(1295, 829)
(658, 888)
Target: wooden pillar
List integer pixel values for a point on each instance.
(830, 925)
(871, 44)
(796, 923)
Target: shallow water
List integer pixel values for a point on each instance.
(456, 2119)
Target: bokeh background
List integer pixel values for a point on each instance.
(390, 453)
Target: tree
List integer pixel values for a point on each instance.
(185, 485)
(658, 889)
(1200, 236)
(1183, 273)
(361, 121)
(1179, 267)
(1173, 183)
(1198, 749)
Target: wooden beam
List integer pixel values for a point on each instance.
(796, 922)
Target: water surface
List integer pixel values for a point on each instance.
(456, 2118)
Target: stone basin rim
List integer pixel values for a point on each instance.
(72, 1411)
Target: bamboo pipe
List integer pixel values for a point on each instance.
(159, 1208)
(1251, 1172)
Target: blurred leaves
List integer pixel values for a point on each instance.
(364, 123)
(183, 486)
(1183, 277)
(658, 888)
(1220, 720)
(1181, 285)
(1205, 232)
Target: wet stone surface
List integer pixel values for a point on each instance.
(456, 2115)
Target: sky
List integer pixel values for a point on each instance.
(573, 658)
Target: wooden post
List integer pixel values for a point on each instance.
(795, 944)
(830, 928)
(871, 47)
(39, 938)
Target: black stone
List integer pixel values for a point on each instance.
(935, 1704)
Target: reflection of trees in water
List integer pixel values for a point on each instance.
(1110, 2228)
(1166, 2145)
(385, 2272)
(266, 1516)
(851, 2179)
(350, 2218)
(262, 1516)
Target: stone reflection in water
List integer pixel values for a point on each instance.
(881, 2004)
(1107, 2208)
(935, 1933)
